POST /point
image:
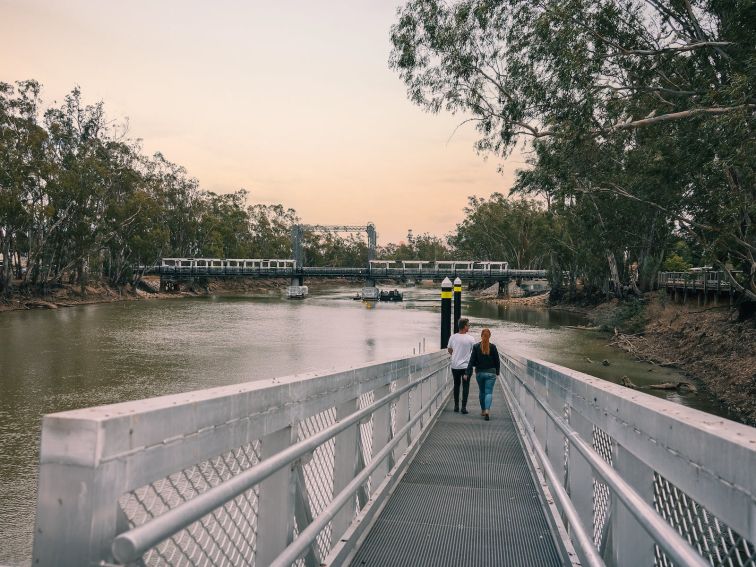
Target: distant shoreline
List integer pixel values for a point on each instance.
(69, 295)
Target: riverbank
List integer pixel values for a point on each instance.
(708, 344)
(67, 295)
(537, 301)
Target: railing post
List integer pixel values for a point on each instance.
(630, 544)
(276, 503)
(346, 449)
(580, 474)
(415, 402)
(425, 396)
(401, 416)
(77, 498)
(381, 433)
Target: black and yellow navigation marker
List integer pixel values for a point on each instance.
(457, 303)
(446, 301)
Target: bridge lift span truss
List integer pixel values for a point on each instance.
(299, 230)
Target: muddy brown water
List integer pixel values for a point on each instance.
(99, 354)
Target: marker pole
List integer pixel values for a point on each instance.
(446, 301)
(457, 303)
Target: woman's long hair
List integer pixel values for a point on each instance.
(485, 341)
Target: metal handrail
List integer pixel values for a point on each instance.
(584, 541)
(662, 533)
(132, 544)
(307, 536)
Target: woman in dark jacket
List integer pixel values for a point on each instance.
(485, 360)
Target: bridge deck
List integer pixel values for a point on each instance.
(467, 499)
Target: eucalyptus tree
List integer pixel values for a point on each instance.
(497, 228)
(23, 173)
(271, 230)
(655, 96)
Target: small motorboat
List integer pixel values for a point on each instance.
(297, 292)
(370, 294)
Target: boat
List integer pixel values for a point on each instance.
(297, 292)
(393, 295)
(370, 294)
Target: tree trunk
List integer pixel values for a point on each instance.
(5, 274)
(614, 273)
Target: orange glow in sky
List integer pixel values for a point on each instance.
(293, 101)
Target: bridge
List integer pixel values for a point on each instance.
(173, 271)
(184, 268)
(370, 466)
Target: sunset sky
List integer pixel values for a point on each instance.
(293, 101)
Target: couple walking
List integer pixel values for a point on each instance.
(467, 355)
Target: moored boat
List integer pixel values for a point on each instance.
(297, 292)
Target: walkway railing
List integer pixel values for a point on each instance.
(637, 480)
(271, 472)
(706, 281)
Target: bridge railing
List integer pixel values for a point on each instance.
(713, 281)
(637, 480)
(282, 471)
(334, 271)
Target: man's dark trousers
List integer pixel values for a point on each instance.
(459, 375)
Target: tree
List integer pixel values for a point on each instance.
(612, 96)
(23, 171)
(499, 228)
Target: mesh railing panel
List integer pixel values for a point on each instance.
(712, 538)
(566, 416)
(225, 537)
(602, 444)
(318, 471)
(366, 435)
(393, 411)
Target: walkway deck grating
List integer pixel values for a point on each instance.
(467, 499)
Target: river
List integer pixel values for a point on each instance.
(99, 354)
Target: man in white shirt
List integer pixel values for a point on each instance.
(460, 347)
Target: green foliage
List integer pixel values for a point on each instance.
(498, 228)
(418, 247)
(675, 263)
(639, 115)
(77, 198)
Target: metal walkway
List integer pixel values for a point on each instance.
(467, 499)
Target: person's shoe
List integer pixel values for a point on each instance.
(487, 417)
(456, 409)
(464, 410)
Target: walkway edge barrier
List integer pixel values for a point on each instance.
(236, 472)
(131, 545)
(653, 481)
(307, 537)
(588, 553)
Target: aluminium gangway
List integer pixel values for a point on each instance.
(368, 466)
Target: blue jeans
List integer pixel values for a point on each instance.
(486, 381)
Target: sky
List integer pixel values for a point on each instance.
(293, 101)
